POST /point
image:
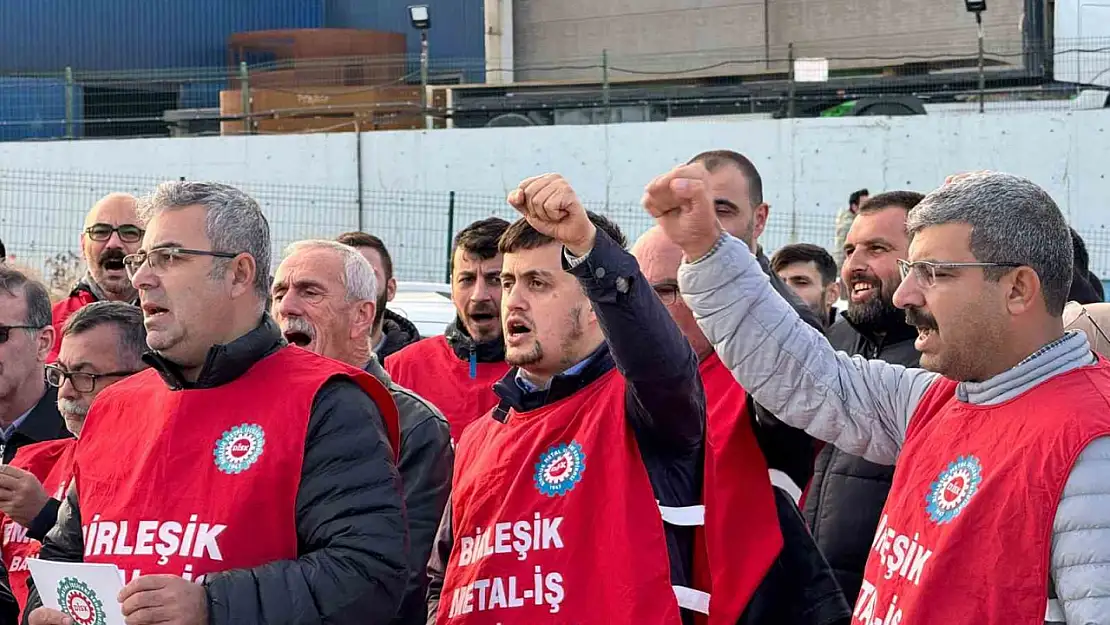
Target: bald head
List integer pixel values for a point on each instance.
(659, 260)
(116, 209)
(112, 230)
(658, 256)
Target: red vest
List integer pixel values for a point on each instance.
(737, 494)
(967, 529)
(52, 463)
(431, 369)
(61, 311)
(554, 520)
(192, 482)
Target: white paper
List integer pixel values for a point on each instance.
(86, 592)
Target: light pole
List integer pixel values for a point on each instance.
(422, 21)
(977, 7)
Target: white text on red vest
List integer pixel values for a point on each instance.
(165, 538)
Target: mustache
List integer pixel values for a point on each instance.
(70, 407)
(920, 319)
(111, 254)
(865, 276)
(299, 325)
(483, 308)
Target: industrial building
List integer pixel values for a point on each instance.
(71, 69)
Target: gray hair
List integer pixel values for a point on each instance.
(358, 278)
(127, 319)
(1012, 221)
(14, 282)
(234, 221)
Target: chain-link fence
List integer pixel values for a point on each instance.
(387, 92)
(42, 213)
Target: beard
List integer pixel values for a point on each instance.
(567, 345)
(877, 310)
(379, 312)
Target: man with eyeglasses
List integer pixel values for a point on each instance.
(275, 465)
(112, 231)
(999, 510)
(773, 571)
(101, 344)
(28, 407)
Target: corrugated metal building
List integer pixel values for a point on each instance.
(136, 38)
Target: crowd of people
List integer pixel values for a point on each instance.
(671, 430)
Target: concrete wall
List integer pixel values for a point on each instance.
(678, 35)
(308, 183)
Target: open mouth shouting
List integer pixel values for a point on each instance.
(517, 330)
(152, 311)
(926, 325)
(297, 331)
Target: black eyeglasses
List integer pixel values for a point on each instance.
(162, 258)
(82, 382)
(925, 272)
(6, 331)
(128, 233)
(668, 293)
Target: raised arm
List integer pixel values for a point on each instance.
(665, 396)
(860, 406)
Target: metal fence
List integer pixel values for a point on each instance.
(371, 93)
(42, 213)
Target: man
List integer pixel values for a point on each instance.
(737, 190)
(391, 331)
(601, 421)
(794, 585)
(276, 463)
(28, 407)
(846, 497)
(1001, 442)
(810, 272)
(112, 231)
(456, 372)
(101, 344)
(844, 221)
(325, 292)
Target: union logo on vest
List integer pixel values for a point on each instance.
(239, 448)
(80, 602)
(953, 489)
(560, 468)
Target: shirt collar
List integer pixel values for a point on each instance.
(7, 433)
(527, 386)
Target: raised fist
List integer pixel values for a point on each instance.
(552, 208)
(681, 204)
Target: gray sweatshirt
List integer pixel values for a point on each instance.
(863, 407)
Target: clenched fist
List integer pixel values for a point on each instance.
(22, 497)
(552, 208)
(680, 202)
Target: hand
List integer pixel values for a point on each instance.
(46, 616)
(21, 495)
(680, 202)
(164, 599)
(552, 208)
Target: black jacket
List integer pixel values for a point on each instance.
(665, 402)
(43, 423)
(426, 463)
(352, 561)
(397, 332)
(847, 495)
